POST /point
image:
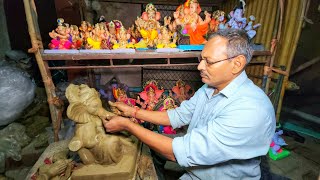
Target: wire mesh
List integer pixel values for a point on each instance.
(167, 77)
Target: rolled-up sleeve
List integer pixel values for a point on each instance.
(242, 131)
(182, 115)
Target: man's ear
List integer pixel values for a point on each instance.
(239, 64)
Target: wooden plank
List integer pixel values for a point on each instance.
(137, 55)
(121, 66)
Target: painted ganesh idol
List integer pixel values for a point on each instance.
(182, 91)
(165, 104)
(187, 16)
(148, 25)
(61, 38)
(150, 95)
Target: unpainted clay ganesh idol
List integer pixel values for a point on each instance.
(103, 155)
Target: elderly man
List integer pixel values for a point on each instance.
(231, 121)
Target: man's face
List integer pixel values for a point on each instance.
(218, 74)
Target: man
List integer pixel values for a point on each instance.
(231, 121)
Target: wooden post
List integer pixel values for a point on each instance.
(43, 65)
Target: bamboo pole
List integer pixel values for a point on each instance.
(258, 15)
(45, 73)
(305, 65)
(277, 35)
(250, 7)
(257, 12)
(302, 4)
(267, 25)
(272, 22)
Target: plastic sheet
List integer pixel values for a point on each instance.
(16, 92)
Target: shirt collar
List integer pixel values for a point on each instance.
(230, 88)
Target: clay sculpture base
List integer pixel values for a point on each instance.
(125, 169)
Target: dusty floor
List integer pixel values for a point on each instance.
(302, 164)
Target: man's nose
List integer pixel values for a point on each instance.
(201, 65)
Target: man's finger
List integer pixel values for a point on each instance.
(112, 103)
(105, 122)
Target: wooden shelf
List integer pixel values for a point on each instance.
(137, 57)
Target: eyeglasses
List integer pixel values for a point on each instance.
(208, 63)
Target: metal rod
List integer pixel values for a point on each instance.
(120, 66)
(137, 55)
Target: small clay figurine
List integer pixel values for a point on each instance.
(97, 35)
(167, 104)
(164, 40)
(75, 35)
(218, 21)
(250, 28)
(61, 38)
(122, 40)
(85, 30)
(237, 21)
(148, 26)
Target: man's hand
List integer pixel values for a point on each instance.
(125, 109)
(116, 124)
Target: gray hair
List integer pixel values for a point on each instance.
(238, 43)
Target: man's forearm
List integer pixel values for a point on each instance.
(155, 117)
(155, 141)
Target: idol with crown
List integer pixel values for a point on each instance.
(97, 36)
(166, 39)
(238, 21)
(122, 40)
(148, 25)
(182, 91)
(61, 38)
(187, 16)
(164, 104)
(150, 95)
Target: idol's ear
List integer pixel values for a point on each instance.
(158, 16)
(198, 9)
(145, 16)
